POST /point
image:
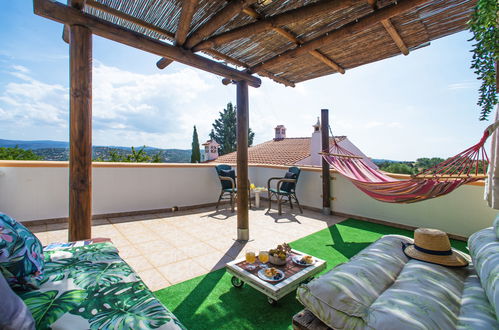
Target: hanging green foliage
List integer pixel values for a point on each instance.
(484, 26)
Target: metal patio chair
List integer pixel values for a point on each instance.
(285, 187)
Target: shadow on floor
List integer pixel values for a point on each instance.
(205, 287)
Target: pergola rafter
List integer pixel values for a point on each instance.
(220, 18)
(387, 24)
(347, 30)
(293, 38)
(277, 21)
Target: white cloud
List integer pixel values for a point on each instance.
(31, 102)
(463, 85)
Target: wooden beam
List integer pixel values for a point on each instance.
(242, 161)
(223, 16)
(266, 24)
(67, 15)
(347, 30)
(220, 18)
(184, 25)
(326, 181)
(77, 4)
(80, 134)
(387, 24)
(185, 20)
(326, 60)
(291, 37)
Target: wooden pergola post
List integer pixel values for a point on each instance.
(80, 133)
(326, 180)
(242, 161)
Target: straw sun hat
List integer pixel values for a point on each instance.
(433, 245)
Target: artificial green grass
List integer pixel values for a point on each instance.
(211, 302)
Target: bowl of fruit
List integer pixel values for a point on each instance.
(279, 255)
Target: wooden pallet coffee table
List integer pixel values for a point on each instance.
(294, 276)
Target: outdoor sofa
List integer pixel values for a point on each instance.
(84, 286)
(380, 288)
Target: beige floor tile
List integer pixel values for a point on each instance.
(139, 263)
(181, 239)
(182, 271)
(57, 236)
(128, 251)
(197, 249)
(154, 279)
(152, 247)
(43, 237)
(213, 261)
(165, 257)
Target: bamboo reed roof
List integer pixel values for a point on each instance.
(355, 39)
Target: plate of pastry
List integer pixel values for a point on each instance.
(303, 260)
(271, 274)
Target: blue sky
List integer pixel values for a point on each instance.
(403, 108)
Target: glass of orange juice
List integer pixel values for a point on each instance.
(263, 256)
(251, 259)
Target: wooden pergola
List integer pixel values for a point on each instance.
(288, 41)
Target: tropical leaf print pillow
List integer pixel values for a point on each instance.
(21, 255)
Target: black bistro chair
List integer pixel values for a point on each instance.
(227, 176)
(285, 187)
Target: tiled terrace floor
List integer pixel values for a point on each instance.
(168, 248)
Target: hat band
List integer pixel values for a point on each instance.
(437, 253)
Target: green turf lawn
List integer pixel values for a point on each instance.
(211, 302)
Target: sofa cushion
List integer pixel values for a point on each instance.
(496, 226)
(352, 287)
(476, 311)
(91, 287)
(21, 255)
(424, 296)
(14, 314)
(484, 250)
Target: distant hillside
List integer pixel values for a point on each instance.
(59, 151)
(33, 145)
(383, 161)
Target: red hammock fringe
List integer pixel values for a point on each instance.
(468, 166)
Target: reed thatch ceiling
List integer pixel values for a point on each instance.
(319, 38)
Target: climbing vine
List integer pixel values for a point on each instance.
(484, 26)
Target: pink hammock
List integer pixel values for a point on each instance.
(468, 166)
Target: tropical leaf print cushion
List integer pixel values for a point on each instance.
(21, 255)
(91, 287)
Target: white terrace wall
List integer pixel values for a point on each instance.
(462, 212)
(39, 190)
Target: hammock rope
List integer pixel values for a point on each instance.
(441, 179)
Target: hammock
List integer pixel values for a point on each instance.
(468, 166)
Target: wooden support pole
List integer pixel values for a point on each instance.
(242, 161)
(80, 133)
(61, 13)
(345, 31)
(326, 181)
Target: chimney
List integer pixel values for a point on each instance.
(280, 132)
(316, 145)
(210, 150)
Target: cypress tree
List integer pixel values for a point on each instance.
(196, 154)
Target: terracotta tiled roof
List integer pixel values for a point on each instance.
(287, 151)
